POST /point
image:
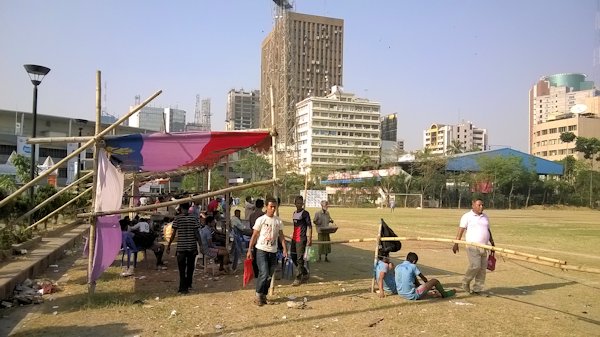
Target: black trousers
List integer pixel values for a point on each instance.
(297, 249)
(186, 264)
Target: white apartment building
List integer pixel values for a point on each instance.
(336, 130)
(159, 119)
(442, 138)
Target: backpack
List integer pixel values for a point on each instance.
(387, 247)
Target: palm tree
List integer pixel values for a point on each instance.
(456, 147)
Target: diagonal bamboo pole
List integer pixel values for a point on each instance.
(54, 196)
(179, 201)
(79, 150)
(498, 249)
(59, 209)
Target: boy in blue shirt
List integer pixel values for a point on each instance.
(408, 286)
(384, 274)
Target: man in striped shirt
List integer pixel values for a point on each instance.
(186, 227)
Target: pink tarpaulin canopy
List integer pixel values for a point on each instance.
(155, 152)
(159, 152)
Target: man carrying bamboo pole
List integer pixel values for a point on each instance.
(267, 230)
(478, 230)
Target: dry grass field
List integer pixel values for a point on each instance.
(523, 299)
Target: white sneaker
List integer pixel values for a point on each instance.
(127, 272)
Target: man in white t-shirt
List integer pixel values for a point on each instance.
(478, 230)
(266, 231)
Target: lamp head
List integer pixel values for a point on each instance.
(36, 73)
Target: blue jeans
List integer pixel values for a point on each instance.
(266, 267)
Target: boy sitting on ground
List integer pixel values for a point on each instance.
(408, 285)
(384, 274)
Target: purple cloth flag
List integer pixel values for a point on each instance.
(109, 190)
(108, 243)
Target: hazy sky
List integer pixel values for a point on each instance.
(428, 61)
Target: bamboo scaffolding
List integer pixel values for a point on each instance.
(94, 218)
(59, 209)
(54, 196)
(271, 291)
(179, 201)
(494, 248)
(77, 151)
(378, 241)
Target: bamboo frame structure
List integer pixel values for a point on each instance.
(93, 219)
(59, 209)
(54, 196)
(179, 201)
(75, 153)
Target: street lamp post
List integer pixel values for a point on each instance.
(81, 123)
(36, 75)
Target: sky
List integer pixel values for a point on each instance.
(428, 61)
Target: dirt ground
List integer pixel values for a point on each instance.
(522, 299)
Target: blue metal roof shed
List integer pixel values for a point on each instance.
(468, 161)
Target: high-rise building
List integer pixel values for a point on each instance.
(389, 127)
(562, 103)
(301, 57)
(553, 97)
(175, 120)
(243, 110)
(447, 139)
(159, 119)
(336, 130)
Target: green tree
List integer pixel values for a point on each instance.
(7, 184)
(193, 182)
(431, 171)
(253, 165)
(23, 166)
(456, 147)
(362, 162)
(506, 173)
(590, 148)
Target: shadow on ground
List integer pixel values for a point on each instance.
(116, 329)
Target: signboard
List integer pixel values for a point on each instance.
(25, 149)
(72, 163)
(314, 197)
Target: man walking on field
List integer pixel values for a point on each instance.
(478, 230)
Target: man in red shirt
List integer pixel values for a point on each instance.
(301, 238)
(213, 207)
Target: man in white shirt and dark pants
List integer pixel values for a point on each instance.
(478, 230)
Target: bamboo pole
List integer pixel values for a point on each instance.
(76, 152)
(271, 291)
(494, 248)
(377, 240)
(227, 204)
(94, 218)
(179, 201)
(59, 209)
(54, 196)
(57, 140)
(500, 251)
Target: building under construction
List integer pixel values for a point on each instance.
(301, 57)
